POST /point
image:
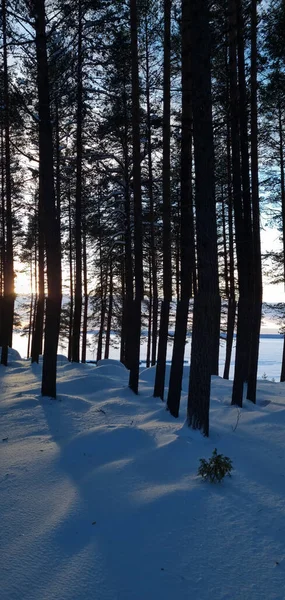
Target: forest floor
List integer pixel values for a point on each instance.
(100, 497)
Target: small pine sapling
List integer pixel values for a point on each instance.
(216, 468)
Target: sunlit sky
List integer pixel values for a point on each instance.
(270, 240)
(271, 292)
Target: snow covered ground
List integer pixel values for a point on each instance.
(100, 498)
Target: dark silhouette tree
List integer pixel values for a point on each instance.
(51, 224)
(138, 266)
(166, 222)
(7, 236)
(187, 242)
(206, 315)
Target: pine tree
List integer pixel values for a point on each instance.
(51, 225)
(138, 267)
(206, 316)
(166, 232)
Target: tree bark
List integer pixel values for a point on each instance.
(9, 292)
(70, 261)
(37, 337)
(85, 288)
(257, 280)
(206, 315)
(110, 311)
(153, 249)
(138, 267)
(78, 201)
(187, 249)
(242, 345)
(166, 227)
(51, 225)
(231, 317)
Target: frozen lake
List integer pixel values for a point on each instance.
(270, 353)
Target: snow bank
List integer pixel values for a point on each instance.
(12, 354)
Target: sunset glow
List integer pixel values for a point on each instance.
(22, 282)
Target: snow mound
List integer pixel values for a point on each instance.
(12, 354)
(110, 361)
(113, 371)
(61, 358)
(148, 375)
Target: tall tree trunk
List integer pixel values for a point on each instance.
(78, 201)
(138, 267)
(37, 337)
(282, 181)
(70, 261)
(186, 222)
(153, 249)
(57, 151)
(123, 318)
(257, 279)
(241, 362)
(101, 326)
(166, 227)
(85, 288)
(31, 311)
(245, 310)
(231, 315)
(3, 235)
(103, 292)
(149, 318)
(109, 314)
(206, 314)
(51, 225)
(9, 292)
(128, 263)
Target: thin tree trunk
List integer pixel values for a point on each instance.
(78, 201)
(186, 223)
(282, 376)
(70, 256)
(123, 328)
(9, 292)
(85, 288)
(57, 172)
(162, 350)
(257, 280)
(128, 269)
(282, 180)
(231, 317)
(230, 335)
(166, 227)
(109, 315)
(149, 322)
(101, 327)
(241, 362)
(138, 267)
(177, 237)
(103, 303)
(153, 250)
(30, 311)
(154, 329)
(37, 337)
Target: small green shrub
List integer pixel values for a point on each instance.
(216, 468)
